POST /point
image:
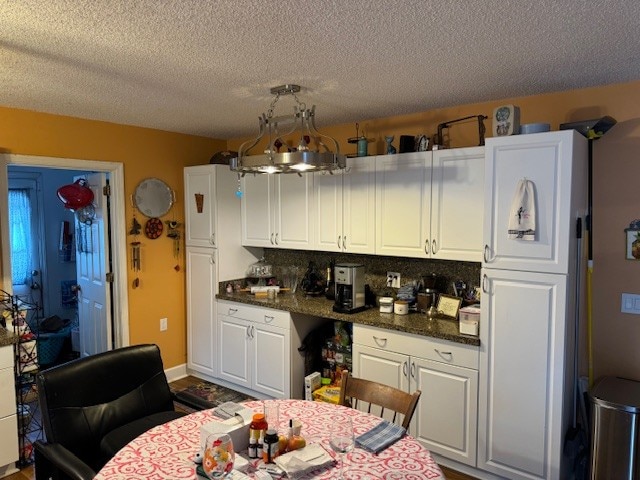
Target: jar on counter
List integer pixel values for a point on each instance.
(257, 430)
(271, 446)
(401, 307)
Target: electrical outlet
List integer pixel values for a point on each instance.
(163, 324)
(393, 279)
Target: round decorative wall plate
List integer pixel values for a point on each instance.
(153, 228)
(153, 197)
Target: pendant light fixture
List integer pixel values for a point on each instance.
(309, 153)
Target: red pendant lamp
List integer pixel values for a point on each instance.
(75, 195)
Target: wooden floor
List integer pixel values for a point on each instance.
(28, 473)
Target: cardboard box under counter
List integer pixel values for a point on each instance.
(470, 321)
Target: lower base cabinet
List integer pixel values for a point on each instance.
(445, 420)
(258, 349)
(8, 422)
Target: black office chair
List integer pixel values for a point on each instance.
(93, 406)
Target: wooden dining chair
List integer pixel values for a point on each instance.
(385, 398)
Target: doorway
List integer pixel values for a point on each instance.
(117, 316)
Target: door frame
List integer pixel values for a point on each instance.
(120, 304)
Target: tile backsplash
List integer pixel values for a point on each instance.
(376, 268)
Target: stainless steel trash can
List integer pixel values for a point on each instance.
(615, 405)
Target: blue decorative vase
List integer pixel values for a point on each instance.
(390, 148)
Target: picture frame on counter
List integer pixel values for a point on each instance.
(449, 306)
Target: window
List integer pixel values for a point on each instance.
(21, 238)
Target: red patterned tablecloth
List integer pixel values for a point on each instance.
(166, 451)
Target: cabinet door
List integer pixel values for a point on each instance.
(382, 366)
(8, 441)
(446, 418)
(202, 286)
(328, 193)
(457, 198)
(359, 225)
(293, 211)
(257, 211)
(556, 164)
(271, 360)
(403, 199)
(234, 349)
(199, 201)
(523, 366)
(7, 391)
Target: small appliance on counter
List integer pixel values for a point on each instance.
(349, 279)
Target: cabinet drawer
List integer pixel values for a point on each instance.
(6, 356)
(265, 316)
(417, 346)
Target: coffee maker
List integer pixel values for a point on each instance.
(349, 279)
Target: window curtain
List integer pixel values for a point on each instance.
(21, 241)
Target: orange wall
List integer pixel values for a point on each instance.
(144, 153)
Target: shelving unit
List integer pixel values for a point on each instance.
(25, 368)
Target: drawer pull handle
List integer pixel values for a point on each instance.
(382, 342)
(344, 242)
(404, 368)
(413, 370)
(434, 247)
(484, 284)
(339, 236)
(426, 246)
(271, 239)
(269, 318)
(233, 311)
(445, 355)
(277, 239)
(213, 239)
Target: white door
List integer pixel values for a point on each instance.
(523, 366)
(92, 257)
(447, 413)
(202, 286)
(328, 211)
(403, 203)
(457, 198)
(293, 211)
(234, 354)
(199, 206)
(271, 363)
(359, 206)
(257, 211)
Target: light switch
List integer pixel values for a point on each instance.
(630, 303)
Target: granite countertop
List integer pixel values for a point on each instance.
(416, 323)
(7, 337)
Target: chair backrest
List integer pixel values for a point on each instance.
(85, 399)
(354, 390)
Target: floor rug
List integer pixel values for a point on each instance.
(203, 395)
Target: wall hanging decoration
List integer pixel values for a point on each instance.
(522, 218)
(153, 198)
(173, 233)
(199, 197)
(153, 228)
(135, 246)
(633, 240)
(506, 120)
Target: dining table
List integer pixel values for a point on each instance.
(167, 451)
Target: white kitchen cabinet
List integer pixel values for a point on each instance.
(345, 208)
(200, 208)
(213, 254)
(525, 393)
(445, 420)
(202, 285)
(429, 204)
(277, 211)
(8, 422)
(403, 204)
(556, 164)
(528, 312)
(254, 348)
(457, 198)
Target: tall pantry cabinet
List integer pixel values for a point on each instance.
(529, 302)
(213, 255)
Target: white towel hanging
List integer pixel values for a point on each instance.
(522, 217)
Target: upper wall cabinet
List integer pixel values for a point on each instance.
(457, 197)
(345, 208)
(403, 201)
(277, 211)
(429, 204)
(554, 164)
(200, 194)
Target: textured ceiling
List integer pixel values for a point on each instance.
(205, 67)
